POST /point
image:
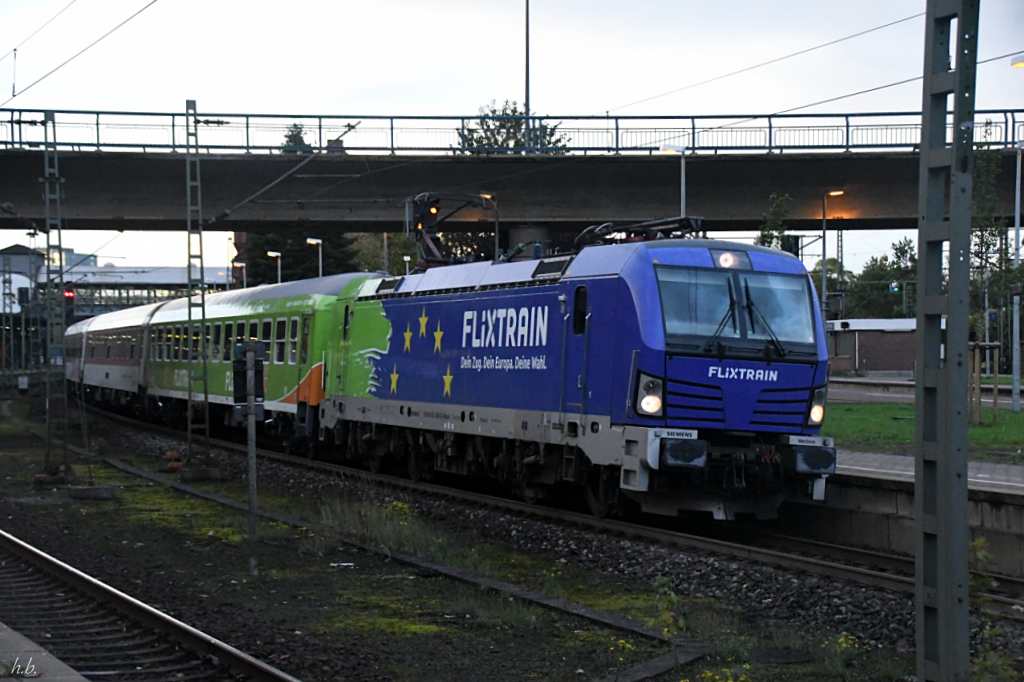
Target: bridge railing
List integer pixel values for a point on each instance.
(265, 133)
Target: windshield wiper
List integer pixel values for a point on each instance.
(730, 313)
(751, 309)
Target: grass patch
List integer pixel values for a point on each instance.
(890, 428)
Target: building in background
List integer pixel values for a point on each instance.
(88, 290)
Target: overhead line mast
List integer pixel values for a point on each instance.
(940, 458)
(197, 334)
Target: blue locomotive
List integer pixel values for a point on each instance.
(670, 375)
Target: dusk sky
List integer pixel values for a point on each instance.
(431, 57)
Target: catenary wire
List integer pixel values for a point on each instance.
(79, 53)
(828, 100)
(769, 62)
(40, 28)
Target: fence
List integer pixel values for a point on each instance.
(265, 133)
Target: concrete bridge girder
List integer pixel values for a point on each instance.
(145, 191)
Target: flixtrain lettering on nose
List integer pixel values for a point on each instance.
(657, 374)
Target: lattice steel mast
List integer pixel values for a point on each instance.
(54, 291)
(197, 416)
(940, 459)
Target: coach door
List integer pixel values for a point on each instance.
(577, 334)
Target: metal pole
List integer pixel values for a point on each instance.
(682, 182)
(250, 406)
(387, 257)
(941, 577)
(1015, 336)
(824, 282)
(320, 258)
(278, 269)
(526, 100)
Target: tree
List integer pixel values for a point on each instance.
(368, 252)
(295, 140)
(504, 131)
(773, 227)
(872, 294)
(298, 259)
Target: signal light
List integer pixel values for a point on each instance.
(433, 210)
(69, 294)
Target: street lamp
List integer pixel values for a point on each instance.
(319, 244)
(277, 255)
(242, 265)
(406, 259)
(824, 215)
(681, 150)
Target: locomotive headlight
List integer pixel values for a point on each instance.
(816, 415)
(649, 396)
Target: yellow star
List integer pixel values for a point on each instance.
(437, 337)
(423, 322)
(408, 338)
(447, 377)
(394, 379)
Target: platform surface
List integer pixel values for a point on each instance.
(21, 656)
(988, 476)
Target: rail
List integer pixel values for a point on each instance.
(214, 650)
(249, 133)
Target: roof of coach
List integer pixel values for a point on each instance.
(119, 319)
(219, 304)
(593, 261)
(238, 302)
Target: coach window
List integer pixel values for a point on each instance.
(215, 352)
(229, 335)
(579, 311)
(293, 340)
(305, 340)
(254, 337)
(206, 341)
(168, 343)
(345, 324)
(197, 331)
(281, 341)
(131, 347)
(177, 343)
(267, 338)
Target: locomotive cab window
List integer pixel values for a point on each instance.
(579, 310)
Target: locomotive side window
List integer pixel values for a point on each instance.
(293, 340)
(579, 311)
(229, 335)
(280, 341)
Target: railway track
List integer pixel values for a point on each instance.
(105, 634)
(866, 567)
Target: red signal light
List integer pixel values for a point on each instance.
(69, 293)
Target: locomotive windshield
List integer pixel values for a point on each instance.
(741, 310)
